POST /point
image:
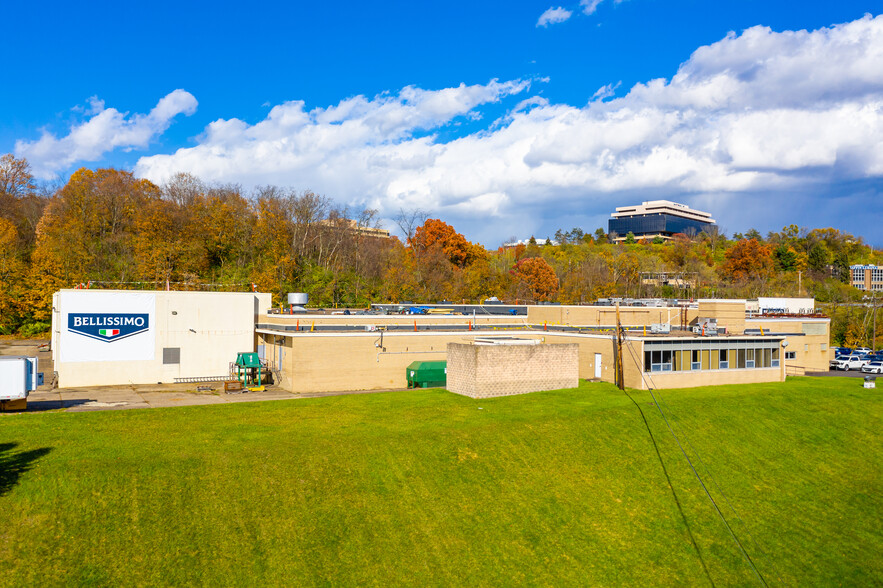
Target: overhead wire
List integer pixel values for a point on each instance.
(706, 468)
(717, 509)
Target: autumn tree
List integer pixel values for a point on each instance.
(21, 199)
(11, 272)
(537, 276)
(819, 257)
(748, 259)
(87, 232)
(436, 233)
(15, 177)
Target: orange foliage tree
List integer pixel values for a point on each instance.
(11, 268)
(437, 233)
(748, 259)
(86, 233)
(538, 276)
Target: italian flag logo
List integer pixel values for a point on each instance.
(108, 332)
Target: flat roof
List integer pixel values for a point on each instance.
(663, 207)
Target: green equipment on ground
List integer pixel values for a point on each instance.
(427, 374)
(249, 368)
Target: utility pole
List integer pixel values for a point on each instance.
(874, 340)
(617, 360)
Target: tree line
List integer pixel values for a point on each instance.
(105, 228)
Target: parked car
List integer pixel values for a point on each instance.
(873, 367)
(842, 351)
(848, 362)
(862, 350)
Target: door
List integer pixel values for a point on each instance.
(597, 365)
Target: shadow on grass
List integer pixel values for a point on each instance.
(673, 493)
(13, 464)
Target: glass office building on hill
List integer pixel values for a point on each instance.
(657, 218)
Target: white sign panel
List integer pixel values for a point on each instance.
(107, 326)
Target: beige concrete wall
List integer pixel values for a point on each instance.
(605, 316)
(809, 340)
(487, 371)
(716, 377)
(591, 345)
(314, 362)
(327, 362)
(379, 320)
(209, 328)
(729, 313)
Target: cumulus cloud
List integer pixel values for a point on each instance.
(105, 130)
(762, 112)
(553, 16)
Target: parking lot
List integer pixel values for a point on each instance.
(842, 374)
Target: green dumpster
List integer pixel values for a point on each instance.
(427, 374)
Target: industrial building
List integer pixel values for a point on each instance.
(111, 337)
(122, 337)
(305, 350)
(657, 218)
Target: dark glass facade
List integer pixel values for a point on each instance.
(654, 224)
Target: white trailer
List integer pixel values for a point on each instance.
(18, 376)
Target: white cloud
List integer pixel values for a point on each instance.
(750, 116)
(106, 129)
(760, 111)
(553, 16)
(589, 6)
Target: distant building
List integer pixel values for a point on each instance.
(867, 277)
(354, 227)
(527, 242)
(657, 218)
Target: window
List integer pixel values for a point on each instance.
(824, 346)
(720, 354)
(790, 355)
(171, 355)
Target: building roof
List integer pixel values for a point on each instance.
(663, 207)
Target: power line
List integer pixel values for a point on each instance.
(661, 400)
(696, 474)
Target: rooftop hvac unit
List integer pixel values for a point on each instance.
(297, 298)
(660, 328)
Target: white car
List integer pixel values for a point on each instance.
(874, 367)
(848, 362)
(862, 350)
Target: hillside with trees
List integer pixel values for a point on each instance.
(105, 228)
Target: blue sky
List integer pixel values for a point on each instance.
(484, 114)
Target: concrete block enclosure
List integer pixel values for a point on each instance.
(106, 337)
(487, 370)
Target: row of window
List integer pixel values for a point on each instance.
(875, 287)
(654, 223)
(682, 360)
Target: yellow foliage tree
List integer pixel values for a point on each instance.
(11, 270)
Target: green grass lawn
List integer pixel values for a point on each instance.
(428, 488)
